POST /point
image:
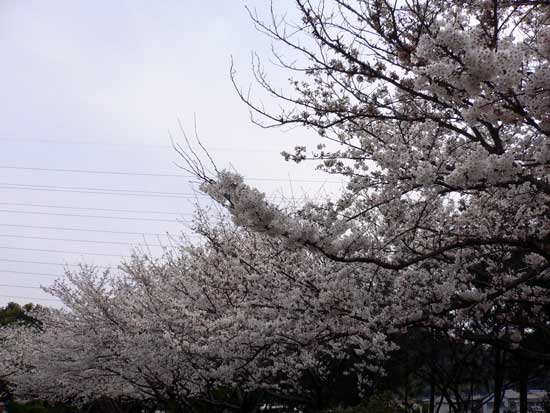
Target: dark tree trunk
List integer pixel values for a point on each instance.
(432, 372)
(432, 394)
(498, 378)
(523, 377)
(406, 383)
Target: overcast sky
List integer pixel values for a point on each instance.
(98, 87)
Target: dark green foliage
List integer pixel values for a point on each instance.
(31, 407)
(39, 406)
(14, 313)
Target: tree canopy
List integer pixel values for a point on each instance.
(437, 113)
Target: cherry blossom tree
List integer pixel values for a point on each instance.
(236, 321)
(438, 113)
(115, 339)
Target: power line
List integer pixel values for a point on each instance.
(154, 234)
(164, 175)
(145, 145)
(100, 143)
(83, 240)
(62, 251)
(20, 286)
(30, 298)
(38, 188)
(124, 192)
(91, 216)
(53, 263)
(94, 209)
(40, 274)
(89, 171)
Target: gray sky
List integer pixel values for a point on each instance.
(97, 86)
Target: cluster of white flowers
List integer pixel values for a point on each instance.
(223, 314)
(446, 143)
